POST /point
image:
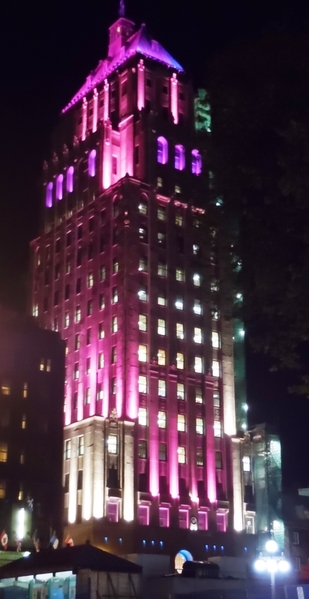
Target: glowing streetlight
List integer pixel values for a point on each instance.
(270, 562)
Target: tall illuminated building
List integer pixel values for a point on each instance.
(125, 268)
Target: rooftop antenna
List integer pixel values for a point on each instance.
(122, 8)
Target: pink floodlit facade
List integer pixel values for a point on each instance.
(125, 276)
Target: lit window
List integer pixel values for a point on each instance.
(78, 314)
(179, 303)
(179, 330)
(142, 208)
(246, 463)
(6, 387)
(162, 419)
(35, 310)
(161, 326)
(198, 364)
(142, 353)
(221, 522)
(199, 457)
(100, 392)
(216, 398)
(196, 223)
(88, 365)
(215, 368)
(101, 331)
(49, 195)
(87, 396)
(48, 365)
(197, 335)
(218, 460)
(92, 163)
(3, 452)
(101, 301)
(20, 496)
(70, 179)
(199, 426)
(114, 165)
(90, 279)
(197, 307)
(88, 337)
(197, 280)
(142, 416)
(196, 249)
(162, 150)
(59, 187)
(143, 264)
(179, 157)
(102, 273)
(67, 319)
(112, 444)
(115, 266)
(196, 162)
(181, 423)
(159, 182)
(142, 449)
(81, 445)
(115, 295)
(161, 357)
(114, 324)
(162, 299)
(198, 395)
(143, 234)
(142, 294)
(100, 361)
(217, 428)
(179, 219)
(181, 455)
(142, 384)
(162, 388)
(142, 322)
(76, 371)
(77, 342)
(162, 269)
(215, 340)
(42, 364)
(67, 449)
(180, 275)
(22, 458)
(216, 314)
(161, 213)
(180, 360)
(113, 386)
(180, 391)
(25, 390)
(161, 239)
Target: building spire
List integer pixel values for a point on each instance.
(122, 8)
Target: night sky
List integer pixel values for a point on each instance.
(46, 54)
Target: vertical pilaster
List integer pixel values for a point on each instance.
(128, 472)
(210, 441)
(237, 486)
(141, 85)
(174, 98)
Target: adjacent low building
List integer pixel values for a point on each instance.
(31, 415)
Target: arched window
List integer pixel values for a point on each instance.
(162, 150)
(180, 160)
(196, 165)
(70, 179)
(91, 163)
(49, 195)
(59, 187)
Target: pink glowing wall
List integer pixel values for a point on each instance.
(174, 98)
(210, 441)
(141, 85)
(95, 111)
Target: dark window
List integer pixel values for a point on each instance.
(78, 285)
(199, 457)
(91, 225)
(136, 155)
(142, 449)
(69, 239)
(90, 251)
(165, 89)
(66, 483)
(102, 244)
(88, 336)
(180, 245)
(57, 271)
(165, 113)
(67, 292)
(218, 460)
(162, 452)
(45, 304)
(46, 277)
(56, 298)
(181, 96)
(75, 400)
(58, 246)
(148, 82)
(89, 307)
(79, 480)
(124, 88)
(103, 217)
(79, 257)
(79, 232)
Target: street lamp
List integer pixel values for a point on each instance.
(270, 562)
